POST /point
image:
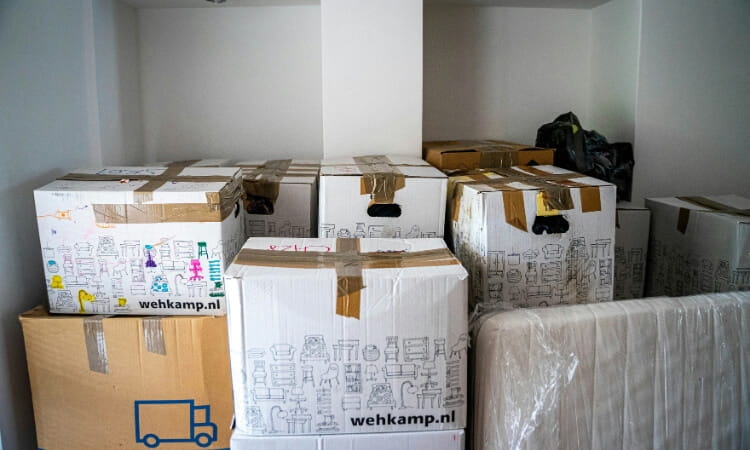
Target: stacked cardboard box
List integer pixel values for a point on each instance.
(381, 197)
(535, 236)
(699, 244)
(483, 154)
(331, 336)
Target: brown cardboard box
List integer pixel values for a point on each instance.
(129, 382)
(489, 154)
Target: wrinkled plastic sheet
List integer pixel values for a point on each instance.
(653, 373)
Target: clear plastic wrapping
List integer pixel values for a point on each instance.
(654, 373)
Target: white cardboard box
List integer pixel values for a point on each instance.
(698, 245)
(355, 193)
(422, 440)
(494, 230)
(294, 184)
(655, 373)
(631, 248)
(313, 354)
(139, 240)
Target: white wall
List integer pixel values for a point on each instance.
(615, 39)
(118, 87)
(502, 72)
(692, 132)
(237, 82)
(372, 77)
(43, 133)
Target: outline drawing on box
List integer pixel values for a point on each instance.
(405, 370)
(138, 275)
(107, 247)
(605, 272)
(324, 403)
(353, 378)
(370, 353)
(200, 431)
(416, 349)
(372, 372)
(283, 374)
(459, 348)
(314, 349)
(391, 349)
(259, 372)
(351, 402)
(601, 248)
(455, 397)
(381, 396)
(307, 376)
(282, 352)
(552, 251)
(496, 263)
(346, 347)
(329, 376)
(551, 272)
(83, 249)
(183, 249)
(130, 248)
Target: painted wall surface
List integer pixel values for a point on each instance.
(615, 39)
(497, 72)
(118, 87)
(693, 99)
(43, 133)
(240, 83)
(372, 77)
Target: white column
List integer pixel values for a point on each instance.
(372, 77)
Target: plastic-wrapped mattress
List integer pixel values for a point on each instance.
(654, 373)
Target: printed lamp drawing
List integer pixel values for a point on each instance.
(173, 421)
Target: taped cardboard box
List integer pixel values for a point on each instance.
(333, 336)
(282, 197)
(423, 440)
(698, 244)
(484, 154)
(139, 240)
(128, 382)
(535, 236)
(653, 373)
(631, 248)
(381, 196)
(210, 162)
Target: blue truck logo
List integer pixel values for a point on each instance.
(170, 421)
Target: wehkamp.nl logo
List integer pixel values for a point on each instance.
(390, 419)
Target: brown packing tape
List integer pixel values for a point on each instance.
(515, 211)
(379, 179)
(497, 157)
(218, 206)
(715, 207)
(348, 262)
(96, 345)
(265, 180)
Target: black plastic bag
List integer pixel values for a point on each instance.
(588, 152)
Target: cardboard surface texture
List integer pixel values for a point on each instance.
(139, 240)
(290, 187)
(381, 196)
(535, 236)
(423, 440)
(128, 382)
(698, 245)
(347, 336)
(631, 249)
(484, 154)
(652, 373)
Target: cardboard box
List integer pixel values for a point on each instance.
(139, 240)
(653, 373)
(484, 154)
(381, 196)
(631, 248)
(335, 336)
(497, 224)
(698, 245)
(128, 382)
(423, 440)
(212, 162)
(282, 198)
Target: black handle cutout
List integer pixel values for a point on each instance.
(550, 225)
(384, 210)
(259, 205)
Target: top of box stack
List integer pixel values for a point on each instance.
(483, 154)
(409, 167)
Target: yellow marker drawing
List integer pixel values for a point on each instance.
(59, 215)
(122, 302)
(57, 282)
(84, 296)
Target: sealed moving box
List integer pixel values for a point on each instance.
(212, 162)
(128, 382)
(139, 240)
(422, 440)
(281, 197)
(535, 236)
(486, 154)
(653, 373)
(631, 248)
(381, 196)
(698, 245)
(347, 336)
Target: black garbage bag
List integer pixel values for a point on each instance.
(588, 152)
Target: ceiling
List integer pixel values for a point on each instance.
(575, 4)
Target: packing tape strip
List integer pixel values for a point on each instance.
(683, 216)
(379, 179)
(153, 335)
(96, 345)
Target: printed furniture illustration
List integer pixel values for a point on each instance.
(314, 349)
(400, 371)
(416, 349)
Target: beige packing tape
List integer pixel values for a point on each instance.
(348, 262)
(153, 335)
(96, 343)
(379, 179)
(683, 216)
(264, 180)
